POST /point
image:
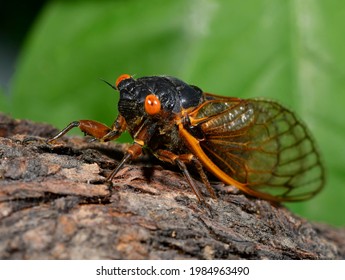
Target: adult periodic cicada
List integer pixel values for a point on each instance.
(256, 145)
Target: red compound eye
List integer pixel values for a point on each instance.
(152, 104)
(121, 78)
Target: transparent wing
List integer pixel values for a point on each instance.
(261, 144)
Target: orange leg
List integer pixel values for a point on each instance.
(180, 161)
(133, 152)
(96, 129)
(104, 133)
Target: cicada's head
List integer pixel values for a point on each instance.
(158, 98)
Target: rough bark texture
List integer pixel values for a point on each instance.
(56, 204)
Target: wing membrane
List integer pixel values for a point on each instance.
(261, 145)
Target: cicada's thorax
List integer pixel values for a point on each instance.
(167, 137)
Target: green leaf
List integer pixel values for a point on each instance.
(290, 51)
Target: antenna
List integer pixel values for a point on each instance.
(109, 84)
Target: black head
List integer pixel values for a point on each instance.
(155, 97)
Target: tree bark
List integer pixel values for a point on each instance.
(56, 204)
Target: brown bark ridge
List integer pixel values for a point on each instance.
(56, 204)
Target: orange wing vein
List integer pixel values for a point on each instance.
(257, 145)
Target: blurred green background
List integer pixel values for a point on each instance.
(290, 51)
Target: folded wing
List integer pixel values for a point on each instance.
(261, 145)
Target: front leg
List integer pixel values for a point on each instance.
(96, 129)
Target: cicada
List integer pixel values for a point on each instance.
(256, 145)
